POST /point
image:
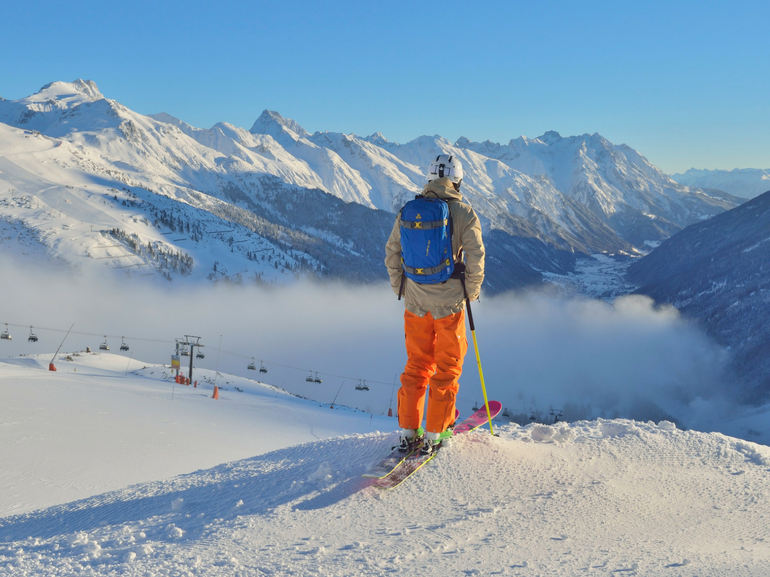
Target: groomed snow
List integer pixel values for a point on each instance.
(279, 491)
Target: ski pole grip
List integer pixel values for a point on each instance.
(468, 306)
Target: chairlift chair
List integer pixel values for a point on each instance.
(252, 365)
(200, 355)
(32, 338)
(185, 352)
(6, 333)
(316, 379)
(365, 387)
(506, 412)
(475, 407)
(104, 346)
(532, 417)
(310, 378)
(360, 385)
(123, 345)
(262, 368)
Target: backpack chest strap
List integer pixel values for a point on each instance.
(424, 225)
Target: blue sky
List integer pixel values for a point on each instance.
(685, 83)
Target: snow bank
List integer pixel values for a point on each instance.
(599, 497)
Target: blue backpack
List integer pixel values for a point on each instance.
(426, 240)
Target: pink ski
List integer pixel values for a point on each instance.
(393, 461)
(478, 418)
(415, 460)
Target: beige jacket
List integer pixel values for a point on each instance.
(444, 298)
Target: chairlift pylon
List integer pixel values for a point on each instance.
(6, 334)
(123, 345)
(32, 338)
(104, 346)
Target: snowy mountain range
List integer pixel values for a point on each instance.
(718, 272)
(743, 182)
(83, 179)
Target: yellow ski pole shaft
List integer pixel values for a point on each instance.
(481, 376)
(478, 360)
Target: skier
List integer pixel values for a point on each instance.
(434, 319)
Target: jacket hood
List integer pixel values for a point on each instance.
(442, 188)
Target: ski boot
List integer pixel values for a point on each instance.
(434, 440)
(410, 440)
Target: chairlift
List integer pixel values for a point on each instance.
(532, 417)
(252, 365)
(6, 333)
(316, 379)
(185, 352)
(262, 368)
(506, 412)
(104, 346)
(32, 338)
(361, 386)
(365, 387)
(123, 345)
(200, 355)
(310, 378)
(475, 407)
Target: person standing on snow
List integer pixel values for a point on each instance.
(434, 320)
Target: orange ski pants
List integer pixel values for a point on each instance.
(435, 349)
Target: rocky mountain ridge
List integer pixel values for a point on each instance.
(543, 202)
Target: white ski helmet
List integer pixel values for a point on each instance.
(445, 165)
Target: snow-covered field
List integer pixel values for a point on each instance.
(599, 277)
(111, 469)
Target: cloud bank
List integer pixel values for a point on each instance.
(538, 351)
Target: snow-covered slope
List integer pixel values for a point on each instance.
(615, 182)
(598, 497)
(275, 202)
(718, 273)
(743, 182)
(105, 185)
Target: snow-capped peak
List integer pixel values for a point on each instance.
(167, 118)
(550, 137)
(273, 124)
(376, 138)
(68, 94)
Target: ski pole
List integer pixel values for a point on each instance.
(478, 358)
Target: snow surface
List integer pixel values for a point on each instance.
(268, 484)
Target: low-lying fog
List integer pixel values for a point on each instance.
(539, 352)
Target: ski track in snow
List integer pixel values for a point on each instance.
(602, 497)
